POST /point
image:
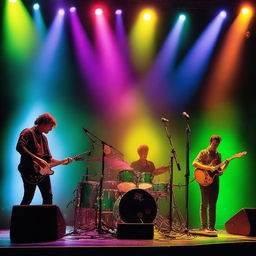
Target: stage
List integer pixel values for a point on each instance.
(93, 243)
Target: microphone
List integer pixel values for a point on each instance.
(164, 120)
(186, 115)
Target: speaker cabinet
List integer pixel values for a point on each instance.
(143, 231)
(242, 223)
(36, 223)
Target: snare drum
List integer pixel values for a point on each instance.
(145, 180)
(88, 194)
(160, 189)
(108, 199)
(126, 180)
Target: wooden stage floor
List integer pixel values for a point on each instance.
(93, 243)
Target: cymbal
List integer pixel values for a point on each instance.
(113, 163)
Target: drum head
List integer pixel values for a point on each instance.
(137, 206)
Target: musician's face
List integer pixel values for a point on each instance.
(143, 154)
(214, 144)
(46, 127)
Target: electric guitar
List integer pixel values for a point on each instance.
(41, 172)
(206, 177)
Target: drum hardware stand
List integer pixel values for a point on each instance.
(173, 156)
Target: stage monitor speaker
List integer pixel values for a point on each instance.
(143, 231)
(36, 223)
(242, 223)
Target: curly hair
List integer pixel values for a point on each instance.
(142, 148)
(45, 118)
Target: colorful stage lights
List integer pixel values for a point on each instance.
(246, 10)
(182, 17)
(98, 11)
(147, 16)
(61, 12)
(223, 14)
(72, 9)
(118, 12)
(36, 6)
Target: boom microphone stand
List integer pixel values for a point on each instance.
(173, 156)
(99, 227)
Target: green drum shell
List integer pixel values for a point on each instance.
(88, 193)
(108, 199)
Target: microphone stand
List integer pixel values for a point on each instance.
(173, 156)
(99, 227)
(188, 131)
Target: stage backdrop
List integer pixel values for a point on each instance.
(117, 74)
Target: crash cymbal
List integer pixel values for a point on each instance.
(113, 163)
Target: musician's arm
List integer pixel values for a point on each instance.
(40, 161)
(55, 162)
(199, 165)
(161, 170)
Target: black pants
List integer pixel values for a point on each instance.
(209, 196)
(44, 187)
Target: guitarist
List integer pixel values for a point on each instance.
(34, 150)
(206, 160)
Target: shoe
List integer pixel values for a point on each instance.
(212, 229)
(203, 229)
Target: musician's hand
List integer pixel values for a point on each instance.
(220, 172)
(211, 168)
(68, 160)
(42, 163)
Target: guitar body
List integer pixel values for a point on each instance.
(204, 178)
(43, 171)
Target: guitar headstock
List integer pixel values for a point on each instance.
(240, 154)
(78, 158)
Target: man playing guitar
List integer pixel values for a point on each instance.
(206, 160)
(35, 155)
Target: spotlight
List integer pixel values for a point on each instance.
(245, 10)
(182, 17)
(98, 11)
(147, 16)
(61, 12)
(223, 14)
(13, 1)
(36, 6)
(118, 12)
(72, 9)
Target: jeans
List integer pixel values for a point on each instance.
(209, 196)
(44, 187)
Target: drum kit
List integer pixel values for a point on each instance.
(131, 199)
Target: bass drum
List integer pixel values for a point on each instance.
(135, 206)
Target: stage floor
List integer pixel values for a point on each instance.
(94, 243)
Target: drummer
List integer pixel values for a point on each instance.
(144, 165)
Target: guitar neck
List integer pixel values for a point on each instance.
(224, 162)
